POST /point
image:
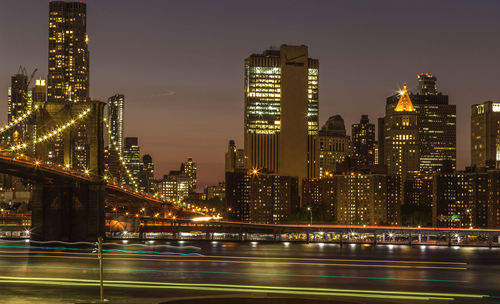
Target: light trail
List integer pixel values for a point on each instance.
(245, 262)
(112, 270)
(104, 250)
(358, 293)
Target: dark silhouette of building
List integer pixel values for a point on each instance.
(363, 141)
(334, 145)
(146, 181)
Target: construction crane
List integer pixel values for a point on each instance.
(31, 77)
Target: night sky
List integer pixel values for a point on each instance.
(180, 63)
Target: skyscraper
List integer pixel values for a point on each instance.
(363, 140)
(68, 78)
(39, 93)
(19, 101)
(281, 112)
(131, 156)
(334, 145)
(235, 158)
(436, 120)
(146, 181)
(115, 118)
(401, 151)
(189, 168)
(485, 134)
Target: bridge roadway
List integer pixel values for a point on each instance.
(33, 170)
(226, 230)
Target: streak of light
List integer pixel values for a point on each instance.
(108, 269)
(361, 293)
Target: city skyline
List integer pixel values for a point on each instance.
(168, 92)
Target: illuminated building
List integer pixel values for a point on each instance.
(217, 192)
(334, 145)
(281, 112)
(436, 121)
(174, 186)
(485, 135)
(494, 198)
(189, 168)
(39, 91)
(465, 199)
(363, 141)
(68, 78)
(259, 197)
(115, 119)
(235, 158)
(349, 198)
(146, 181)
(132, 157)
(416, 208)
(401, 150)
(19, 101)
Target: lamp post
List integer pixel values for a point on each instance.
(311, 214)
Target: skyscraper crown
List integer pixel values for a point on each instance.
(404, 103)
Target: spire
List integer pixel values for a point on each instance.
(404, 103)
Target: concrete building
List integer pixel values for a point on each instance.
(485, 134)
(281, 112)
(334, 145)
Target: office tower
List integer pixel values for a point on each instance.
(189, 168)
(39, 91)
(281, 112)
(485, 135)
(146, 182)
(216, 192)
(235, 158)
(19, 101)
(363, 140)
(68, 78)
(401, 141)
(416, 209)
(436, 120)
(174, 186)
(334, 145)
(494, 198)
(380, 139)
(132, 158)
(115, 119)
(259, 197)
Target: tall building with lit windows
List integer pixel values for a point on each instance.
(115, 119)
(436, 120)
(19, 101)
(189, 168)
(132, 158)
(68, 78)
(485, 135)
(402, 151)
(281, 112)
(334, 145)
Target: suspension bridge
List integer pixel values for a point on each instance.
(58, 148)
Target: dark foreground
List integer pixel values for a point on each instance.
(227, 272)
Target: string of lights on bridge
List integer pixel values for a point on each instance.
(122, 160)
(53, 132)
(18, 120)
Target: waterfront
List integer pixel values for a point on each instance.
(158, 270)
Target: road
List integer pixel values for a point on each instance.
(307, 273)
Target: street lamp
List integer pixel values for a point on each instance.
(311, 213)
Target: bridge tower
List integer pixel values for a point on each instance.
(71, 209)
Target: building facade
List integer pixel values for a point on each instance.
(235, 158)
(68, 77)
(260, 198)
(132, 158)
(19, 102)
(190, 168)
(146, 180)
(115, 119)
(485, 134)
(281, 112)
(436, 121)
(334, 145)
